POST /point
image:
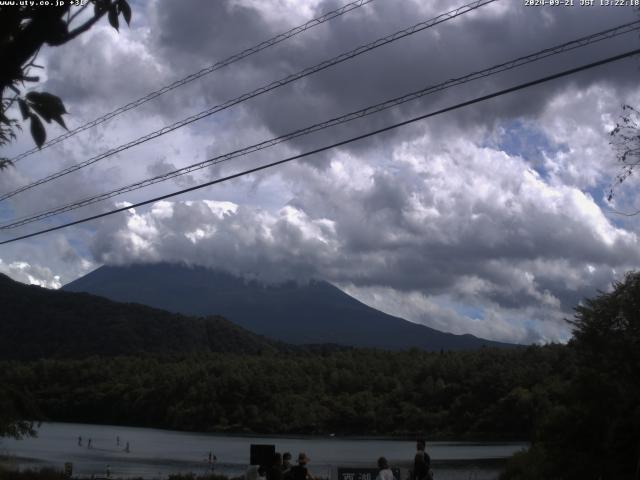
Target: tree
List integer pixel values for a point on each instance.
(607, 328)
(625, 140)
(17, 411)
(24, 29)
(606, 338)
(592, 431)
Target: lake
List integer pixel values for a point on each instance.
(156, 453)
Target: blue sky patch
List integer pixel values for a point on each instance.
(524, 140)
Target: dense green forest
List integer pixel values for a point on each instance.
(488, 393)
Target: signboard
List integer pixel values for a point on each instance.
(346, 473)
(261, 454)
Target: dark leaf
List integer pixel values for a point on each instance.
(4, 119)
(126, 10)
(99, 6)
(43, 113)
(48, 106)
(37, 131)
(60, 121)
(55, 32)
(113, 16)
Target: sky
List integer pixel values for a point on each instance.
(490, 220)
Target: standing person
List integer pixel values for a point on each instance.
(422, 462)
(385, 472)
(126, 448)
(286, 462)
(274, 472)
(80, 441)
(300, 471)
(252, 473)
(117, 440)
(89, 444)
(212, 461)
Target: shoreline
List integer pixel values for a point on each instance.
(434, 439)
(158, 453)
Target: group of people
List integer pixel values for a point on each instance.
(421, 465)
(281, 468)
(126, 449)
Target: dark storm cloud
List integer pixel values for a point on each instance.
(196, 35)
(201, 32)
(104, 71)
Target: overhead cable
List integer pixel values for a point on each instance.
(483, 98)
(194, 76)
(518, 62)
(271, 86)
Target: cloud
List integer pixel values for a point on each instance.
(453, 220)
(474, 40)
(447, 313)
(88, 74)
(486, 220)
(30, 274)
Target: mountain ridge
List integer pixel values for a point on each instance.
(41, 323)
(312, 313)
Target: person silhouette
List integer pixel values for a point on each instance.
(300, 471)
(422, 462)
(384, 472)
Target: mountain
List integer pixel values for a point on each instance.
(41, 323)
(312, 313)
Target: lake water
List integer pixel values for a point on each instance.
(157, 453)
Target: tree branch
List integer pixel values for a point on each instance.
(82, 28)
(78, 12)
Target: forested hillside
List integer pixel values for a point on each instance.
(490, 393)
(41, 323)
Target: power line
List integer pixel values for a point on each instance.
(259, 91)
(624, 214)
(551, 51)
(194, 76)
(338, 144)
